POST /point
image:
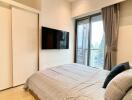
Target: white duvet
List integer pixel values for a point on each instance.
(68, 82)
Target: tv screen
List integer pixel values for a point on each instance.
(54, 39)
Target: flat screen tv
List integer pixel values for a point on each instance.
(54, 39)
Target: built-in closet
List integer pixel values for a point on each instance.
(19, 44)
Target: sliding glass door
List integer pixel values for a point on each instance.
(97, 42)
(90, 42)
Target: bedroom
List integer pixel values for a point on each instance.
(56, 14)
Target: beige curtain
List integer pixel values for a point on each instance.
(111, 27)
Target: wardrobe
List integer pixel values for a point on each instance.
(19, 43)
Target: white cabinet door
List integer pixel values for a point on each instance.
(25, 44)
(5, 48)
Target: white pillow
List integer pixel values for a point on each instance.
(128, 95)
(119, 86)
(130, 65)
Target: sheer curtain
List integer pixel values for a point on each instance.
(111, 27)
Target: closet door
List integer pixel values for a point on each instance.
(25, 44)
(5, 48)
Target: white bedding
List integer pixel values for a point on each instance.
(68, 82)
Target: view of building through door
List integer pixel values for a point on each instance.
(90, 42)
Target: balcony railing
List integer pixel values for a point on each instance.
(96, 57)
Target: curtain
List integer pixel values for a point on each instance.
(110, 16)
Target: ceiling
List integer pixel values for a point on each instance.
(71, 0)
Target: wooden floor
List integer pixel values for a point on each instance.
(17, 93)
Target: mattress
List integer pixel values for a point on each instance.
(68, 82)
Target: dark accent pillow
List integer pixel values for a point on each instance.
(115, 71)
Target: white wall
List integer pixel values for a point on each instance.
(125, 33)
(56, 14)
(83, 7)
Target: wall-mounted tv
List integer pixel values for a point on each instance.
(54, 39)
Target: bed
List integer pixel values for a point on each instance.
(68, 82)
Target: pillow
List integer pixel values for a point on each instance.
(128, 95)
(115, 71)
(130, 65)
(119, 86)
